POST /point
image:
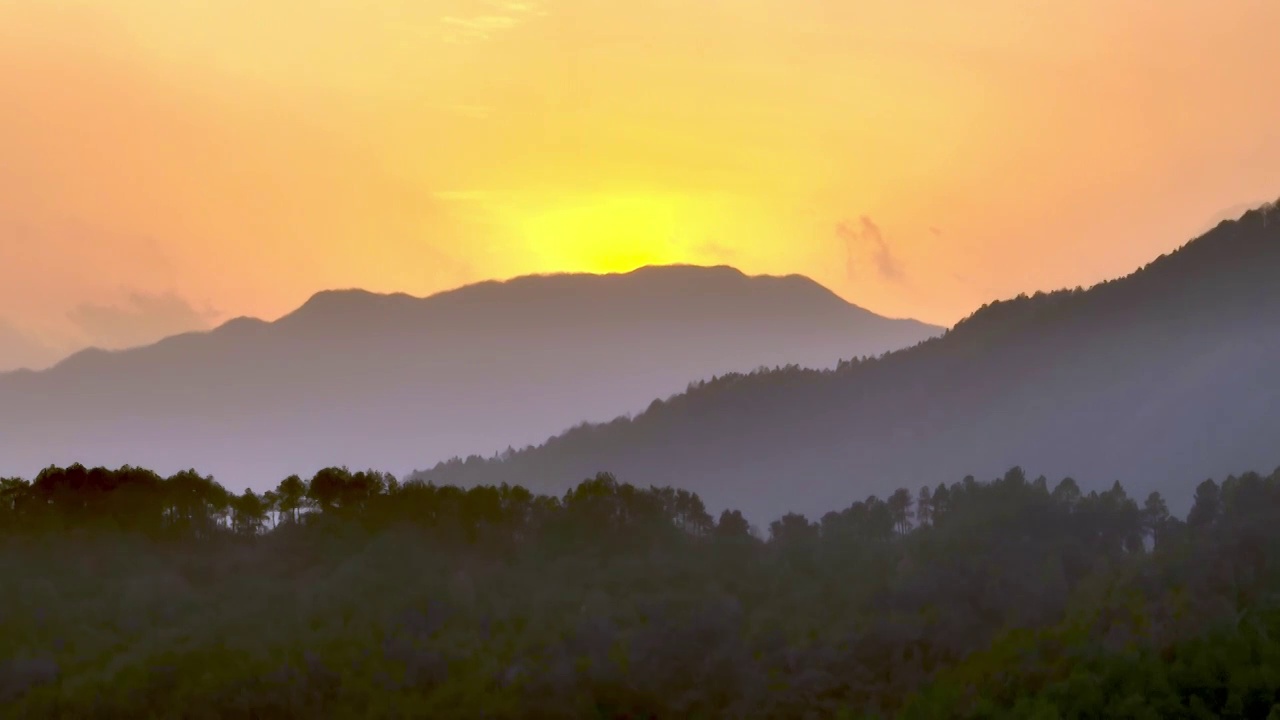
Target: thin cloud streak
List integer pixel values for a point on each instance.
(19, 349)
(484, 26)
(143, 319)
(867, 239)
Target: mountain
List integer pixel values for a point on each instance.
(384, 381)
(1160, 379)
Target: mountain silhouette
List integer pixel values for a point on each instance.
(371, 380)
(1160, 379)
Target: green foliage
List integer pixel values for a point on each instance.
(352, 595)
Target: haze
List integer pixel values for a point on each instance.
(168, 165)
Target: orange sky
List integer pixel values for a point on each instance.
(168, 163)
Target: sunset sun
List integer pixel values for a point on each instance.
(613, 233)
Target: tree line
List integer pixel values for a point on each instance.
(351, 594)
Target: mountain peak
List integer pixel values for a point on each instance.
(687, 270)
(339, 297)
(725, 274)
(327, 305)
(360, 378)
(644, 284)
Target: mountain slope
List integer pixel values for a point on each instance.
(358, 378)
(1161, 379)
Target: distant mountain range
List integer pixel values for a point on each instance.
(1160, 379)
(388, 381)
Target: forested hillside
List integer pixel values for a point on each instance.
(1162, 378)
(351, 595)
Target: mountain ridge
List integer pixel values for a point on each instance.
(363, 378)
(323, 304)
(1038, 381)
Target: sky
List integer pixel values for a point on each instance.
(169, 164)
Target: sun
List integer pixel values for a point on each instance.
(613, 233)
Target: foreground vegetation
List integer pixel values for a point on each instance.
(350, 595)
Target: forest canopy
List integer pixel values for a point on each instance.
(351, 594)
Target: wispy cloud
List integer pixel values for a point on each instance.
(865, 241)
(144, 319)
(19, 349)
(717, 250)
(492, 17)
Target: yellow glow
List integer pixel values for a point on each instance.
(612, 233)
(245, 154)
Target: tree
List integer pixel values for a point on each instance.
(877, 519)
(248, 512)
(219, 503)
(609, 603)
(924, 506)
(1015, 476)
(1155, 513)
(330, 487)
(733, 525)
(1067, 493)
(291, 491)
(194, 503)
(899, 504)
(940, 502)
(12, 493)
(1208, 503)
(271, 502)
(792, 529)
(685, 510)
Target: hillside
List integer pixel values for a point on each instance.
(363, 379)
(1162, 378)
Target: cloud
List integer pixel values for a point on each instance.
(935, 230)
(499, 16)
(481, 26)
(865, 240)
(719, 251)
(21, 350)
(144, 319)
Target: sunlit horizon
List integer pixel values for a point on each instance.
(171, 165)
